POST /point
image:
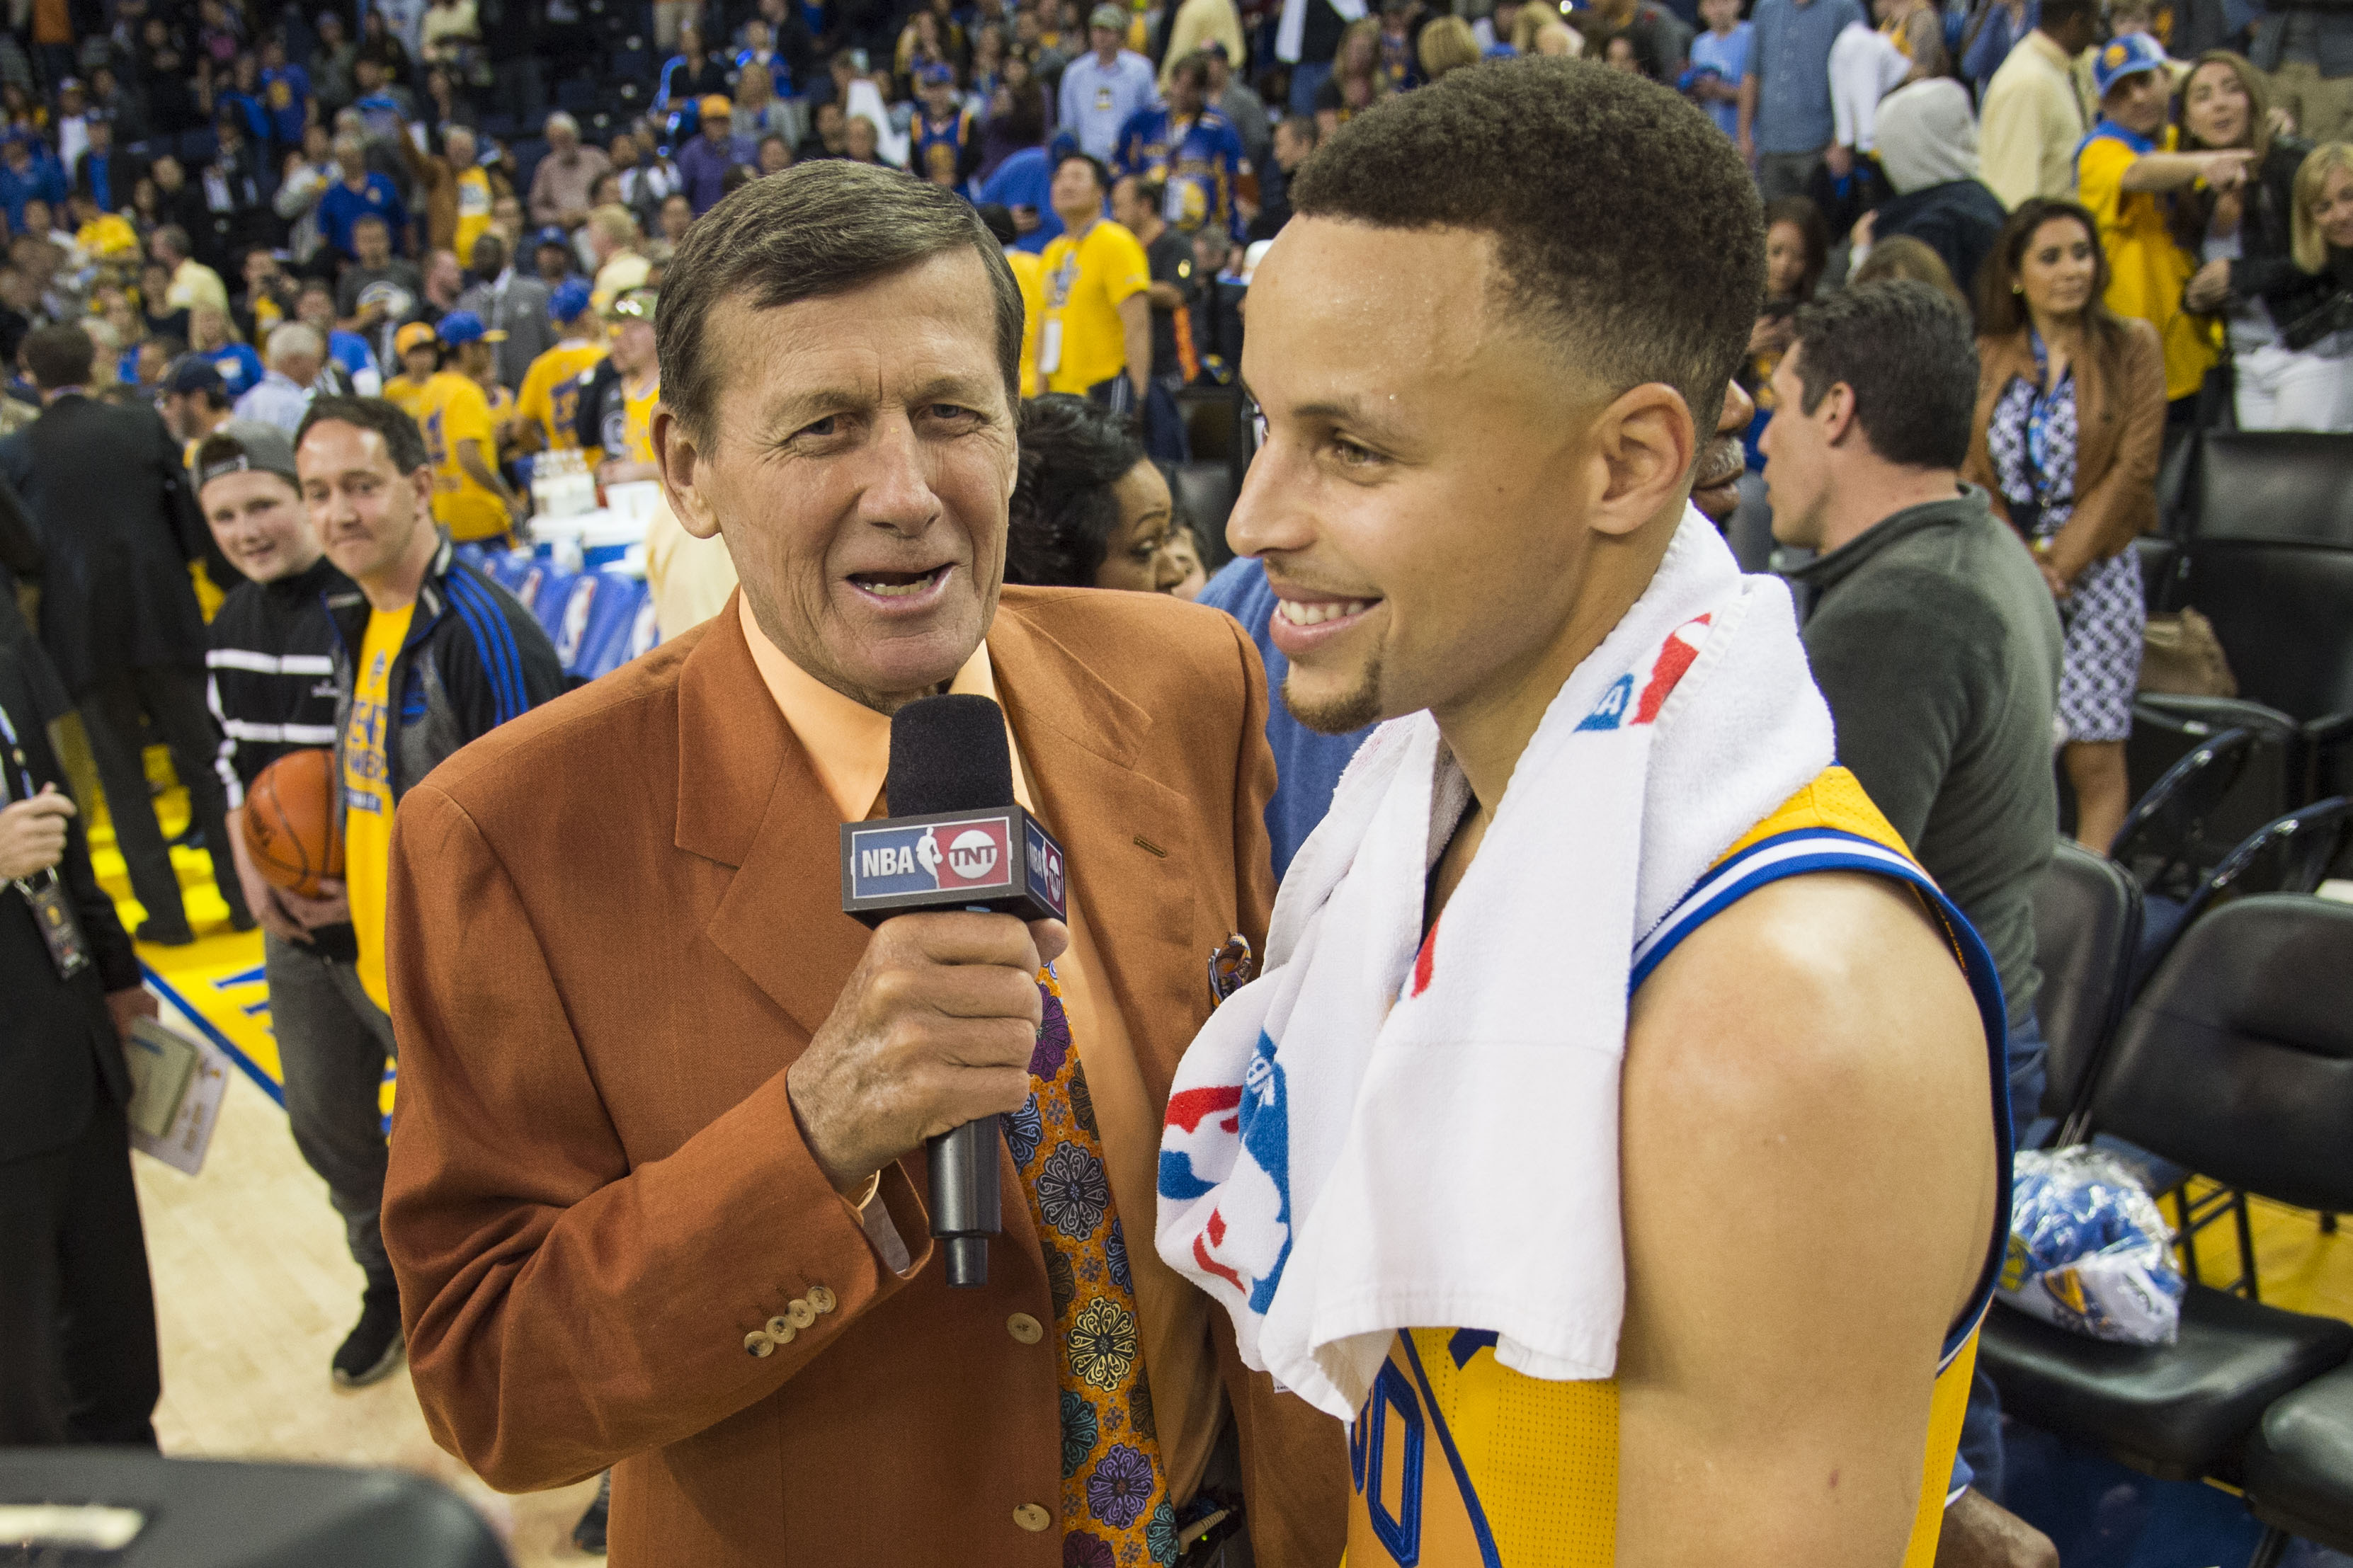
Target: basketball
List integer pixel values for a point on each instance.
(292, 824)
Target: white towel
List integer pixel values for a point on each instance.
(1381, 1134)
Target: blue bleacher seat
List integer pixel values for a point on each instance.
(605, 626)
(542, 591)
(507, 569)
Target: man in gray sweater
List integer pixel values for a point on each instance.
(1936, 645)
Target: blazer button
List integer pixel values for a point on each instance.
(759, 1344)
(800, 1314)
(1024, 1328)
(781, 1330)
(1032, 1518)
(822, 1298)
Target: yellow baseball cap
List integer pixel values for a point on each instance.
(717, 103)
(416, 335)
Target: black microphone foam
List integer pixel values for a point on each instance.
(949, 754)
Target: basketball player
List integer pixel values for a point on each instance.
(1483, 410)
(272, 689)
(426, 654)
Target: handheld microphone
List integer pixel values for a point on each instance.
(955, 840)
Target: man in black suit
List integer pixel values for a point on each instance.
(77, 1361)
(118, 614)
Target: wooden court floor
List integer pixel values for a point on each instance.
(254, 1288)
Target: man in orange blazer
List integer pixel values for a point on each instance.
(656, 1190)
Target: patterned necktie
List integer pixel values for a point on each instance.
(1115, 1507)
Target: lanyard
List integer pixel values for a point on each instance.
(20, 783)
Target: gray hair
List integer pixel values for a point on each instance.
(559, 120)
(295, 339)
(815, 231)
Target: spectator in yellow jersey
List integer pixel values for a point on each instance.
(1095, 338)
(548, 406)
(419, 356)
(1031, 276)
(473, 188)
(476, 357)
(618, 395)
(2121, 171)
(470, 499)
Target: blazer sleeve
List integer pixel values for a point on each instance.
(2120, 505)
(565, 1311)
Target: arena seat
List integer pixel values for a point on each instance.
(2290, 854)
(507, 568)
(236, 1515)
(2299, 1468)
(2087, 916)
(2174, 835)
(626, 635)
(2237, 1062)
(2269, 487)
(2283, 613)
(1205, 498)
(598, 614)
(2167, 728)
(543, 590)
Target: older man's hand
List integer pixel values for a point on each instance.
(934, 1028)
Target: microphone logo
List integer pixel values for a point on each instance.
(972, 855)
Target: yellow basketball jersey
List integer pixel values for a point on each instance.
(1460, 1462)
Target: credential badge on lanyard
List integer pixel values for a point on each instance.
(52, 913)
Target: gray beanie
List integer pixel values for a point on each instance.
(243, 445)
(1927, 135)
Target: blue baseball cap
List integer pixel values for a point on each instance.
(933, 74)
(2127, 56)
(569, 302)
(552, 234)
(465, 327)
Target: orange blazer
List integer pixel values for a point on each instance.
(2119, 432)
(615, 922)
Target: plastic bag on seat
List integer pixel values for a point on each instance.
(2088, 1250)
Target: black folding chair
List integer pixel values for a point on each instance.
(2171, 840)
(120, 1506)
(2289, 854)
(2087, 916)
(2299, 1468)
(2237, 1061)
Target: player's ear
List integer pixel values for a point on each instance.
(1645, 441)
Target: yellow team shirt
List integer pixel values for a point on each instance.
(450, 409)
(1082, 340)
(473, 211)
(550, 397)
(407, 395)
(1458, 1461)
(1029, 273)
(2147, 270)
(367, 790)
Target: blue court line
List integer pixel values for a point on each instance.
(212, 1033)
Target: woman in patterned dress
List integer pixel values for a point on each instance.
(2070, 419)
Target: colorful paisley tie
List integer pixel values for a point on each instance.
(1115, 1507)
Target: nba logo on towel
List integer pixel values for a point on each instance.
(1247, 1238)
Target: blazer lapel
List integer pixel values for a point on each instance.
(1129, 846)
(748, 797)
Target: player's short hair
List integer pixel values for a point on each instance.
(1626, 227)
(403, 441)
(816, 230)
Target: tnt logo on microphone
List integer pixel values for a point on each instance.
(969, 855)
